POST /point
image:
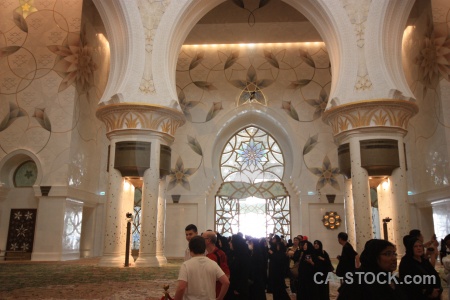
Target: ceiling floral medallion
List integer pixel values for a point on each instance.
(251, 88)
(251, 17)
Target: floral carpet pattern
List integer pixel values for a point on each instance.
(84, 279)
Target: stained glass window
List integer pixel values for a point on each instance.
(252, 168)
(252, 156)
(136, 226)
(25, 174)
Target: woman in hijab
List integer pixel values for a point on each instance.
(239, 264)
(307, 289)
(277, 269)
(415, 265)
(257, 271)
(323, 265)
(223, 244)
(378, 262)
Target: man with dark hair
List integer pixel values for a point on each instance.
(190, 231)
(349, 258)
(198, 275)
(215, 254)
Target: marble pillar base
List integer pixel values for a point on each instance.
(147, 261)
(115, 261)
(162, 260)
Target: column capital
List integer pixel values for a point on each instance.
(141, 117)
(374, 113)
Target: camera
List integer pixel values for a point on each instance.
(430, 249)
(308, 257)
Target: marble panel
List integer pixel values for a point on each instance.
(178, 216)
(317, 231)
(441, 218)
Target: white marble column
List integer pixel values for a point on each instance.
(385, 207)
(149, 209)
(154, 124)
(399, 196)
(161, 222)
(361, 197)
(120, 200)
(349, 215)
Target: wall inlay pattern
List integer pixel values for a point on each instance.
(357, 11)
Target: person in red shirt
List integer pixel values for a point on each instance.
(215, 254)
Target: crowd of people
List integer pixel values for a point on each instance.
(238, 267)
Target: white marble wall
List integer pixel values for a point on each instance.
(178, 216)
(73, 220)
(317, 231)
(441, 218)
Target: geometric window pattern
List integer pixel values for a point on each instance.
(251, 156)
(136, 225)
(73, 219)
(227, 216)
(25, 174)
(241, 190)
(252, 166)
(21, 230)
(276, 211)
(278, 216)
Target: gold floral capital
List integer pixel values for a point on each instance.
(369, 114)
(140, 116)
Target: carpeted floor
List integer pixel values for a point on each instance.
(83, 279)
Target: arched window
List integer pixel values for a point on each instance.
(252, 168)
(252, 156)
(26, 174)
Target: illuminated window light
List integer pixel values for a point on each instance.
(102, 193)
(310, 193)
(410, 193)
(253, 45)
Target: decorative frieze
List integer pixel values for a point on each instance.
(369, 114)
(140, 116)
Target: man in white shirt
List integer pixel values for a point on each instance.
(198, 275)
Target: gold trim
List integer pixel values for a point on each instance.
(370, 114)
(140, 116)
(135, 104)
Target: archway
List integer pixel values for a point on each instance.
(252, 169)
